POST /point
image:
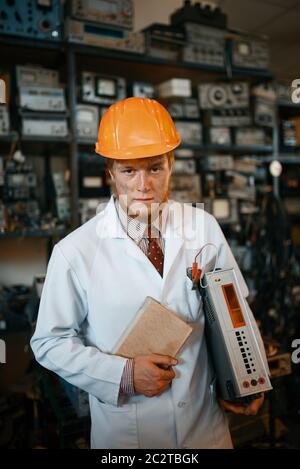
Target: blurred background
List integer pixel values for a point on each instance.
(228, 73)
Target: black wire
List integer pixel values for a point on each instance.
(272, 256)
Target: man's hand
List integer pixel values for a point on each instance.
(152, 374)
(250, 409)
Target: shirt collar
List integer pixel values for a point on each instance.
(138, 230)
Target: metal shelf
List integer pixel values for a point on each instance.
(286, 159)
(200, 147)
(148, 59)
(295, 159)
(83, 141)
(9, 137)
(139, 58)
(42, 114)
(246, 72)
(15, 136)
(46, 139)
(30, 233)
(91, 50)
(243, 148)
(230, 148)
(30, 43)
(288, 105)
(284, 150)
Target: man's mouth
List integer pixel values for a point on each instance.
(143, 200)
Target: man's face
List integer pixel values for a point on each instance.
(142, 183)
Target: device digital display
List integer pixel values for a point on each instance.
(27, 77)
(18, 179)
(102, 6)
(104, 32)
(92, 182)
(221, 209)
(106, 87)
(244, 48)
(85, 116)
(233, 305)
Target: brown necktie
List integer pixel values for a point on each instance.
(155, 254)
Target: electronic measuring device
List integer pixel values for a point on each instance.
(117, 13)
(39, 19)
(235, 352)
(236, 356)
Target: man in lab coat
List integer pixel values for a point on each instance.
(99, 276)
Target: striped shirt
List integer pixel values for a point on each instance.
(137, 231)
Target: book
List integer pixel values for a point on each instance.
(155, 329)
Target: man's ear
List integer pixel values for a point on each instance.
(170, 165)
(111, 175)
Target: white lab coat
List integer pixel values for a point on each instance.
(97, 279)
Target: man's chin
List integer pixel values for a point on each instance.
(140, 210)
(143, 211)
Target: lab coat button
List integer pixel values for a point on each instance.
(181, 404)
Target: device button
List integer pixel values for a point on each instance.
(246, 384)
(261, 380)
(253, 382)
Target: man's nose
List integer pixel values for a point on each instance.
(143, 182)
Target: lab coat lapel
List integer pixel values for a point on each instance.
(112, 228)
(173, 236)
(109, 225)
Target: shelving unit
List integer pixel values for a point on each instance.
(47, 54)
(135, 67)
(72, 58)
(32, 247)
(30, 233)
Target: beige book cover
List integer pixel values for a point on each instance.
(155, 329)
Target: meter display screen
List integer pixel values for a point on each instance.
(101, 6)
(85, 116)
(221, 209)
(233, 305)
(244, 49)
(92, 182)
(106, 87)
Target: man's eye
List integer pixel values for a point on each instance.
(156, 169)
(128, 171)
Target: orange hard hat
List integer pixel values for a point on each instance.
(136, 128)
